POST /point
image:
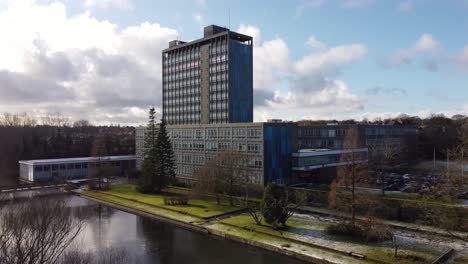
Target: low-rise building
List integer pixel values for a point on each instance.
(267, 148)
(47, 170)
(319, 165)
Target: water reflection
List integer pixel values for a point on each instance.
(148, 241)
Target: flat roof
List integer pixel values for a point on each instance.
(75, 160)
(232, 35)
(320, 152)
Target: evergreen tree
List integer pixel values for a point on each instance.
(150, 162)
(273, 205)
(166, 162)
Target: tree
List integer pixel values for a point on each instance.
(100, 170)
(351, 171)
(224, 175)
(55, 120)
(273, 201)
(207, 181)
(81, 123)
(448, 216)
(383, 156)
(165, 167)
(37, 231)
(150, 161)
(279, 204)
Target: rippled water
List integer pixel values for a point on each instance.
(149, 241)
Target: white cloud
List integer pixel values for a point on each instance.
(463, 57)
(313, 43)
(201, 2)
(121, 4)
(303, 5)
(199, 18)
(426, 42)
(323, 60)
(405, 5)
(304, 88)
(94, 69)
(425, 113)
(426, 47)
(356, 3)
(87, 67)
(252, 31)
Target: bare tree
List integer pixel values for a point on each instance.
(352, 170)
(17, 120)
(232, 170)
(37, 231)
(81, 123)
(56, 119)
(252, 206)
(225, 175)
(382, 156)
(105, 256)
(100, 170)
(207, 181)
(440, 207)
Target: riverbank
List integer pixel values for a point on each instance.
(304, 240)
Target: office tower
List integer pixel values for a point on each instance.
(208, 80)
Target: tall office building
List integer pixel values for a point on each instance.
(208, 80)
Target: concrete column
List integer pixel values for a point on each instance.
(205, 84)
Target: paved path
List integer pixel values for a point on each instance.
(400, 225)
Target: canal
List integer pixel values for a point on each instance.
(149, 241)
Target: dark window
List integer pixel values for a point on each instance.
(54, 167)
(84, 165)
(78, 166)
(62, 166)
(38, 168)
(69, 166)
(47, 168)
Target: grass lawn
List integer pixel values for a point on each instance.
(460, 260)
(142, 207)
(196, 207)
(314, 232)
(292, 248)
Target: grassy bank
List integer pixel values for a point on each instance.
(304, 238)
(196, 207)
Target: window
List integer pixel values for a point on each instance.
(212, 133)
(254, 132)
(238, 132)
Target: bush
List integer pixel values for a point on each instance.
(179, 183)
(364, 231)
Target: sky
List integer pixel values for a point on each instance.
(100, 60)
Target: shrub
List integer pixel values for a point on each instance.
(364, 231)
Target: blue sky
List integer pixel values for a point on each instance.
(326, 58)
